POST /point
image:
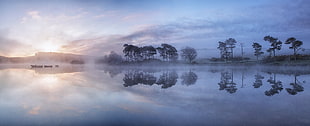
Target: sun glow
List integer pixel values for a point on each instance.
(50, 82)
(48, 47)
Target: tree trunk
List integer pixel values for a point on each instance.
(257, 58)
(295, 54)
(232, 53)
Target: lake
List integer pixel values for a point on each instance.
(185, 95)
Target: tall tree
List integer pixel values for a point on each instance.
(162, 53)
(148, 52)
(168, 52)
(223, 50)
(295, 45)
(230, 45)
(257, 47)
(127, 52)
(274, 43)
(131, 52)
(189, 54)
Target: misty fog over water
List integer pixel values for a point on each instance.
(186, 95)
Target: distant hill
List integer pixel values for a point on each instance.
(47, 57)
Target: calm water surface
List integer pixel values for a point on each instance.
(197, 95)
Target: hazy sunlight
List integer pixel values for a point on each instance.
(48, 47)
(49, 81)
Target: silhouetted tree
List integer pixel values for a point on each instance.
(223, 50)
(230, 43)
(168, 52)
(295, 45)
(226, 48)
(132, 53)
(189, 78)
(148, 52)
(257, 47)
(162, 53)
(275, 44)
(188, 54)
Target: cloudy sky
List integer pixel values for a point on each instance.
(99, 26)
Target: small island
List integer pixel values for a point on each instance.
(168, 54)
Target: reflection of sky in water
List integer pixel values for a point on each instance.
(93, 97)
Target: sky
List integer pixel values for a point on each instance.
(96, 27)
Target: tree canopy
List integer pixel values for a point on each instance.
(188, 54)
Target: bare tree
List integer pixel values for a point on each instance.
(188, 54)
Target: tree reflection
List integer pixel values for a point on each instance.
(166, 79)
(258, 80)
(189, 78)
(138, 77)
(296, 86)
(227, 82)
(276, 86)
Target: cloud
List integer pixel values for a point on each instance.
(277, 19)
(11, 47)
(34, 14)
(109, 29)
(95, 46)
(133, 17)
(34, 110)
(100, 16)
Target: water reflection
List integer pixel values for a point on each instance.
(297, 86)
(276, 85)
(134, 77)
(59, 70)
(169, 78)
(151, 96)
(258, 80)
(227, 82)
(189, 78)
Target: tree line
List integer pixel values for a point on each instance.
(169, 53)
(226, 47)
(166, 52)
